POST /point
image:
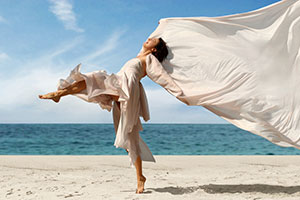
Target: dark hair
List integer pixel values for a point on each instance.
(161, 50)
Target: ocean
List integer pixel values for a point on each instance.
(162, 139)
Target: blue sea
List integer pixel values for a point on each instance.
(162, 139)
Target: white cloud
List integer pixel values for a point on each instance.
(3, 56)
(2, 19)
(63, 10)
(20, 91)
(48, 59)
(63, 48)
(108, 46)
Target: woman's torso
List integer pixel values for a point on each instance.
(133, 67)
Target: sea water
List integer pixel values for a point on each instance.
(162, 139)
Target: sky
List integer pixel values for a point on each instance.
(42, 40)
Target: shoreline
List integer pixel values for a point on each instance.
(171, 177)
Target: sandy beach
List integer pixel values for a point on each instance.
(171, 177)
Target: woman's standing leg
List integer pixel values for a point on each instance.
(140, 178)
(134, 140)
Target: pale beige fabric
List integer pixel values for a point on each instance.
(244, 68)
(133, 103)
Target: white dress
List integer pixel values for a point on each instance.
(133, 103)
(244, 68)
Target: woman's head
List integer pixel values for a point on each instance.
(157, 47)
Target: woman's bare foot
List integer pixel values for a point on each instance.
(55, 96)
(140, 184)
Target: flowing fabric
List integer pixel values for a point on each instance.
(243, 67)
(132, 103)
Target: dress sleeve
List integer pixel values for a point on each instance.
(156, 72)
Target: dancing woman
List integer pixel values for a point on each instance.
(122, 92)
(243, 67)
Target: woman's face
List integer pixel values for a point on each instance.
(151, 43)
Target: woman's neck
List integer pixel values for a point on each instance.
(144, 52)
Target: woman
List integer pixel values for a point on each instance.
(123, 93)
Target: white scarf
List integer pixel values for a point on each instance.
(244, 68)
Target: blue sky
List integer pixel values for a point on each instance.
(41, 41)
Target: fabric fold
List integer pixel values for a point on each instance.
(243, 67)
(99, 87)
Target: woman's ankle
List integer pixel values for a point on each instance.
(141, 178)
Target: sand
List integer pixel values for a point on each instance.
(171, 177)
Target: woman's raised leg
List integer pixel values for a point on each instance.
(72, 89)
